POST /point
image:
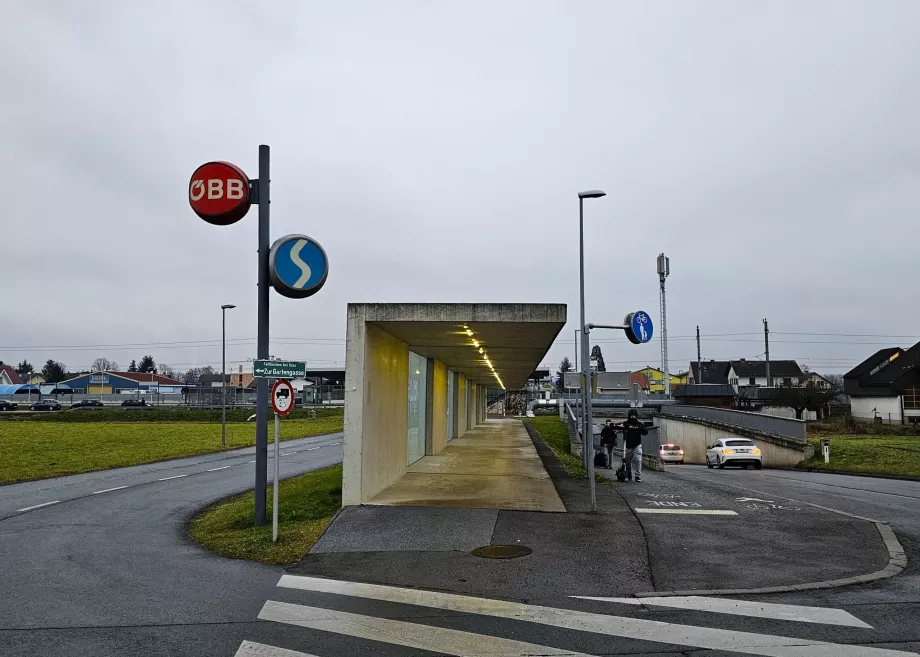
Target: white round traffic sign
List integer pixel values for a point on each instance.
(282, 397)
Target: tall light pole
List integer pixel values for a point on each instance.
(587, 438)
(664, 270)
(223, 373)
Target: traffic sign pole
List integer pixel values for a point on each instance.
(262, 336)
(275, 492)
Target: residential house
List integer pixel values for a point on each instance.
(744, 373)
(9, 376)
(815, 380)
(639, 379)
(886, 386)
(712, 372)
(656, 378)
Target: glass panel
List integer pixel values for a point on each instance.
(738, 443)
(417, 401)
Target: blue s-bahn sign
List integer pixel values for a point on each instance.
(298, 266)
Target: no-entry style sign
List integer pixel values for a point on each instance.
(219, 193)
(297, 266)
(282, 397)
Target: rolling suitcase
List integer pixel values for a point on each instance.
(600, 460)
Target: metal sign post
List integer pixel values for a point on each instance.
(282, 404)
(638, 328)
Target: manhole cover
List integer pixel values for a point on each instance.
(502, 551)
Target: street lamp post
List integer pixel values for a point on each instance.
(223, 373)
(587, 433)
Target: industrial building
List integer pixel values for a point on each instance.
(107, 383)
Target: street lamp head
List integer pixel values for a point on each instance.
(227, 306)
(592, 193)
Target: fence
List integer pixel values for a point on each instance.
(781, 426)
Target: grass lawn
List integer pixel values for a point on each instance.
(35, 450)
(892, 455)
(555, 433)
(306, 506)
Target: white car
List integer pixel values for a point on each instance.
(733, 451)
(671, 453)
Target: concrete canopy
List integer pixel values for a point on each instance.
(514, 336)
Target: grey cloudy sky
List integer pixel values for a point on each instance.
(435, 149)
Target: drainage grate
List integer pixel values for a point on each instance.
(502, 551)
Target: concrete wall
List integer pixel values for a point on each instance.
(861, 408)
(695, 438)
(439, 408)
(376, 383)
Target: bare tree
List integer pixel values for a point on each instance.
(104, 365)
(167, 370)
(806, 398)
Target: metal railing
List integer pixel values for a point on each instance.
(780, 426)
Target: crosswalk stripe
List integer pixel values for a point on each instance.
(439, 640)
(632, 628)
(823, 615)
(252, 649)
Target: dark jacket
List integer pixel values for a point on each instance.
(608, 435)
(633, 430)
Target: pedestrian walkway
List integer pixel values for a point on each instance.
(331, 617)
(493, 466)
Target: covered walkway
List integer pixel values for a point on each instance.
(493, 466)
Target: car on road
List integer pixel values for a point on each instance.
(8, 405)
(134, 403)
(733, 451)
(46, 405)
(671, 453)
(88, 403)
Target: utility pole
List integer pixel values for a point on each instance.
(766, 344)
(576, 350)
(664, 268)
(699, 361)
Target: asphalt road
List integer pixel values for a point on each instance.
(108, 570)
(105, 567)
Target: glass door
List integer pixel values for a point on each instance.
(418, 397)
(451, 405)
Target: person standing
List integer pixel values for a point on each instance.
(633, 430)
(609, 441)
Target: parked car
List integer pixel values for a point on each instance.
(88, 403)
(46, 405)
(671, 453)
(8, 405)
(733, 451)
(134, 403)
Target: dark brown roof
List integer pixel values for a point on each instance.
(13, 374)
(879, 357)
(758, 368)
(714, 371)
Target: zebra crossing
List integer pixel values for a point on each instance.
(438, 639)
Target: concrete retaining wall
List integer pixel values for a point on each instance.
(695, 437)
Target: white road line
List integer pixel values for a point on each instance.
(253, 461)
(108, 490)
(252, 649)
(216, 469)
(823, 615)
(38, 506)
(440, 640)
(168, 478)
(312, 448)
(632, 628)
(690, 512)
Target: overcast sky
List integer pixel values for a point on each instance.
(435, 149)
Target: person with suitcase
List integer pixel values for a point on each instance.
(633, 430)
(608, 442)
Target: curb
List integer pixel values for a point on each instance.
(897, 562)
(852, 474)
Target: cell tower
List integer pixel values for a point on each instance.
(664, 270)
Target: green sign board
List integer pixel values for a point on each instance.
(279, 369)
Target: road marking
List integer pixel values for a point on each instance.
(312, 448)
(108, 490)
(822, 615)
(632, 628)
(168, 478)
(251, 649)
(440, 640)
(253, 461)
(752, 499)
(38, 506)
(216, 469)
(690, 512)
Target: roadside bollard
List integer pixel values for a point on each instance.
(826, 449)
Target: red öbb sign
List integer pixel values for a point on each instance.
(219, 193)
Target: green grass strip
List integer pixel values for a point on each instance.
(307, 504)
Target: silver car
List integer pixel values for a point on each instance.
(671, 453)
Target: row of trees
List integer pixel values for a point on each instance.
(54, 371)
